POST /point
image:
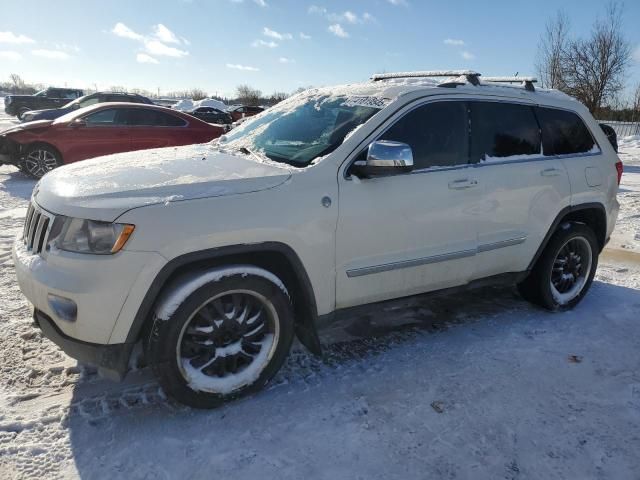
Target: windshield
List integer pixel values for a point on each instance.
(301, 129)
(72, 103)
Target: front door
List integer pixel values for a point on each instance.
(102, 133)
(410, 233)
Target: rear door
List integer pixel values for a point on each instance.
(151, 128)
(524, 188)
(104, 132)
(566, 136)
(60, 97)
(206, 114)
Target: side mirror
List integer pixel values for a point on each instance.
(385, 157)
(79, 122)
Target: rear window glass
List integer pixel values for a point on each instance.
(563, 132)
(500, 130)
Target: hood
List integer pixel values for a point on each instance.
(28, 126)
(17, 96)
(48, 114)
(106, 187)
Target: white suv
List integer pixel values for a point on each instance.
(215, 256)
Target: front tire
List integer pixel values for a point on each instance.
(40, 159)
(225, 340)
(22, 111)
(564, 272)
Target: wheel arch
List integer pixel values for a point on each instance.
(34, 143)
(275, 257)
(593, 215)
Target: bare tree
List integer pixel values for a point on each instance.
(594, 68)
(17, 82)
(551, 50)
(247, 95)
(636, 99)
(197, 94)
(277, 97)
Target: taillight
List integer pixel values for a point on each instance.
(619, 169)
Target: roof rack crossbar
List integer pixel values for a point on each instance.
(526, 81)
(471, 76)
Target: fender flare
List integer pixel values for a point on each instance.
(558, 220)
(305, 306)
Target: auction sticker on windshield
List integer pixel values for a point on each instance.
(366, 101)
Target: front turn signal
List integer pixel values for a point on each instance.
(126, 232)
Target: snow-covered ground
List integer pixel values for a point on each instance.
(479, 385)
(627, 233)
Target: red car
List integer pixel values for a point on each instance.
(101, 129)
(244, 111)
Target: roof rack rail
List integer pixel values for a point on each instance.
(471, 76)
(527, 82)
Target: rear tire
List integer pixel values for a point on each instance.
(40, 159)
(564, 272)
(225, 340)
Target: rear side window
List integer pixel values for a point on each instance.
(152, 118)
(436, 132)
(67, 94)
(88, 101)
(563, 132)
(500, 130)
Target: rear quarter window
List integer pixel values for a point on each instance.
(563, 132)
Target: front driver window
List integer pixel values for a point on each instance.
(102, 118)
(436, 132)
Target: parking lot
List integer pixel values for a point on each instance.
(476, 385)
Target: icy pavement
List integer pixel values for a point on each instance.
(479, 385)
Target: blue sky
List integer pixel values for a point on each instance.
(276, 45)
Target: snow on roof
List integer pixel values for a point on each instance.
(392, 86)
(187, 104)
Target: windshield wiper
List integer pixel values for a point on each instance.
(246, 151)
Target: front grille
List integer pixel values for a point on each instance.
(37, 225)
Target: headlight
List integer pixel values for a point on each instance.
(8, 100)
(89, 236)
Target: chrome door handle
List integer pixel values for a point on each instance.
(462, 184)
(550, 172)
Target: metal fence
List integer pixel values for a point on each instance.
(623, 129)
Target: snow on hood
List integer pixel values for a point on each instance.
(103, 188)
(187, 105)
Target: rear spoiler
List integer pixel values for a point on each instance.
(611, 135)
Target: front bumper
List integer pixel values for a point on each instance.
(112, 360)
(105, 290)
(9, 151)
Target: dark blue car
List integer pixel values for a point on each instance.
(99, 97)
